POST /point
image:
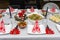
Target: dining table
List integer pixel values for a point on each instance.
(25, 36)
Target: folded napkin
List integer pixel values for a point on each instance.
(53, 9)
(49, 30)
(36, 28)
(1, 11)
(15, 30)
(32, 9)
(2, 26)
(30, 28)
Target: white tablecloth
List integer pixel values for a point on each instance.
(24, 36)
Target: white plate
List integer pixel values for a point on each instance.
(50, 5)
(30, 27)
(12, 24)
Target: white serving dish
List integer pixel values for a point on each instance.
(30, 28)
(33, 21)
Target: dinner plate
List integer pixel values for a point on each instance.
(55, 24)
(50, 5)
(9, 24)
(30, 24)
(30, 28)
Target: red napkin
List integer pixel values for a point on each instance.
(32, 9)
(53, 9)
(1, 11)
(2, 27)
(12, 9)
(36, 28)
(49, 31)
(15, 30)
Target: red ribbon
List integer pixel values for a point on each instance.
(36, 28)
(2, 27)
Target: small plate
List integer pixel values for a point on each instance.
(30, 27)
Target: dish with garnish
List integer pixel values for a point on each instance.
(22, 24)
(35, 16)
(55, 18)
(20, 16)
